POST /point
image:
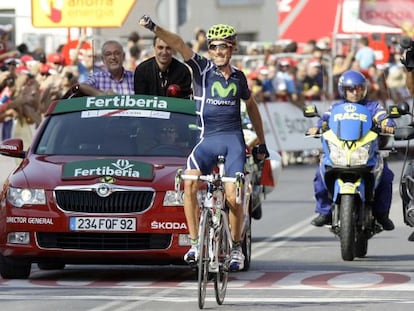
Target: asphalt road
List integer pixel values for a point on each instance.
(294, 266)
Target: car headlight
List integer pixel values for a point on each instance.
(25, 196)
(347, 157)
(172, 198)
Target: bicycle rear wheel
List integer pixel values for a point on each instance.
(203, 259)
(221, 278)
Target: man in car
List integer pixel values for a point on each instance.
(115, 79)
(158, 74)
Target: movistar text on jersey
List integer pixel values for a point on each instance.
(219, 102)
(126, 101)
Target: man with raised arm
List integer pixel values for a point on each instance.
(218, 89)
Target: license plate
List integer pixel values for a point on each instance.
(102, 224)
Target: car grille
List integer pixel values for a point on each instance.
(117, 202)
(103, 241)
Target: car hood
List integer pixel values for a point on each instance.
(47, 172)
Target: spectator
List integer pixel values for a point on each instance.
(134, 48)
(378, 89)
(313, 82)
(287, 67)
(26, 103)
(8, 89)
(134, 58)
(200, 43)
(266, 76)
(7, 114)
(365, 55)
(5, 51)
(155, 75)
(84, 60)
(396, 82)
(341, 63)
(114, 79)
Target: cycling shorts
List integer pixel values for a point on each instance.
(205, 153)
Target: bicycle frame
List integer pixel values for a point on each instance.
(215, 240)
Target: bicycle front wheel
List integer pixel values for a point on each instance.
(203, 257)
(223, 249)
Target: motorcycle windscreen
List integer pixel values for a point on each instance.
(350, 121)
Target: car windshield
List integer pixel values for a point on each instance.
(83, 133)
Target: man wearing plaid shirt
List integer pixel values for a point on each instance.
(114, 79)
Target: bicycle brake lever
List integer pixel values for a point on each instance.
(177, 180)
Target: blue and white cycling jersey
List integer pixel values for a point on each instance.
(218, 108)
(217, 99)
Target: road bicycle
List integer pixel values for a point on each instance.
(215, 240)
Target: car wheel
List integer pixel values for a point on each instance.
(247, 246)
(51, 265)
(12, 268)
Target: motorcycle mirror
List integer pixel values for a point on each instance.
(403, 108)
(393, 112)
(310, 111)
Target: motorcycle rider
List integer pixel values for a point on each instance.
(353, 87)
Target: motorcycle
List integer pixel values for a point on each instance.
(351, 166)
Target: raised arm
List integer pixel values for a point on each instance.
(172, 39)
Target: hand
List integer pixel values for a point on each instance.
(387, 129)
(312, 131)
(262, 152)
(147, 22)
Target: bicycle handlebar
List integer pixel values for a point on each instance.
(211, 178)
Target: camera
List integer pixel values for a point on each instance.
(407, 45)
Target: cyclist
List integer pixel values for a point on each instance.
(218, 90)
(353, 87)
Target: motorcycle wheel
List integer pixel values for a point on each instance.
(347, 227)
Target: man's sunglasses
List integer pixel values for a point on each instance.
(220, 47)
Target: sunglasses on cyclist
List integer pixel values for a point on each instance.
(220, 47)
(352, 89)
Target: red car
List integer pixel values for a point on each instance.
(96, 186)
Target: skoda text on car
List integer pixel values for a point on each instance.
(96, 185)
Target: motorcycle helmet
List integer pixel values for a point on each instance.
(222, 32)
(352, 79)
